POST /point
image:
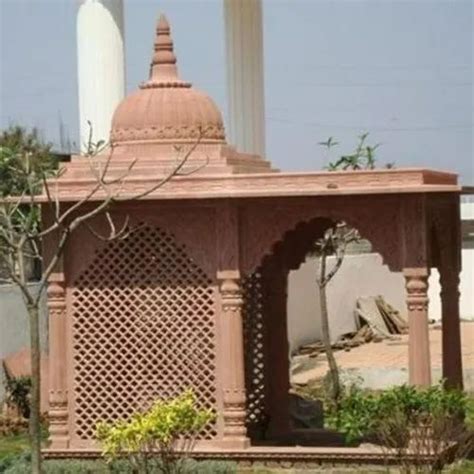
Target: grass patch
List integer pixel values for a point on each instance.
(465, 467)
(13, 445)
(470, 412)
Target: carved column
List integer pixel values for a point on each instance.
(231, 329)
(232, 343)
(451, 335)
(419, 362)
(58, 397)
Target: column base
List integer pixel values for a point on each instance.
(234, 443)
(59, 443)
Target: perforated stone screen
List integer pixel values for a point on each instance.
(143, 327)
(254, 343)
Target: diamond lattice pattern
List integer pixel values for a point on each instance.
(143, 328)
(254, 343)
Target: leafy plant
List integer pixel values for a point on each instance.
(20, 151)
(362, 158)
(167, 431)
(424, 427)
(361, 412)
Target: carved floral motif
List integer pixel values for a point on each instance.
(169, 132)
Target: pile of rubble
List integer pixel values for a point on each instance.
(376, 320)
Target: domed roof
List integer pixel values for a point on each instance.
(165, 108)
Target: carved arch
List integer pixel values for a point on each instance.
(265, 227)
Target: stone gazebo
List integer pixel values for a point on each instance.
(196, 295)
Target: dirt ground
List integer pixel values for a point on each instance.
(392, 355)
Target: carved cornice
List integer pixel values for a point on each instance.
(202, 186)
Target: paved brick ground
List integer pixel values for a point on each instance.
(393, 354)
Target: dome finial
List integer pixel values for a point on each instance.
(163, 64)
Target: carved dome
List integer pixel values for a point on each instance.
(166, 108)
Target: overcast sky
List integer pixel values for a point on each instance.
(401, 70)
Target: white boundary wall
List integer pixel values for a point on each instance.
(14, 334)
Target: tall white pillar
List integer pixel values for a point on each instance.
(100, 65)
(244, 50)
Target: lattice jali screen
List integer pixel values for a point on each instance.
(254, 343)
(143, 327)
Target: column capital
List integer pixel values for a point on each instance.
(416, 284)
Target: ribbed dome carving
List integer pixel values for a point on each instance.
(166, 108)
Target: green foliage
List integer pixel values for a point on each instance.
(21, 465)
(470, 412)
(168, 429)
(25, 162)
(362, 414)
(18, 393)
(21, 153)
(362, 158)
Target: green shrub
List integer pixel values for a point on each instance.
(18, 393)
(159, 439)
(361, 413)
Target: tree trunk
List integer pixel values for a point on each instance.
(335, 388)
(35, 396)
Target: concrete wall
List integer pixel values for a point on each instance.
(359, 275)
(14, 333)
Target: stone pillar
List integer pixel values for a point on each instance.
(100, 66)
(233, 376)
(245, 82)
(231, 341)
(451, 336)
(58, 396)
(277, 352)
(419, 362)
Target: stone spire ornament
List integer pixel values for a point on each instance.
(163, 68)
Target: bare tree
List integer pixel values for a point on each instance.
(333, 243)
(22, 233)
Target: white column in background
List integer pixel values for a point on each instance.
(100, 65)
(245, 81)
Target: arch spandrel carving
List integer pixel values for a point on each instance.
(377, 218)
